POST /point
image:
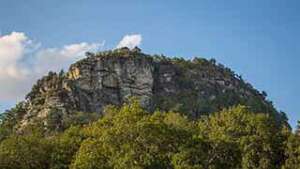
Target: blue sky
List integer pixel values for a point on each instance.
(258, 39)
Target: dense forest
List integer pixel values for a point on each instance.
(129, 136)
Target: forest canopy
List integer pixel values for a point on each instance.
(131, 137)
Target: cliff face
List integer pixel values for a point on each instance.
(192, 87)
(111, 80)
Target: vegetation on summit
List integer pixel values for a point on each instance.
(192, 87)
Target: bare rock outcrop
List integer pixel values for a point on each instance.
(194, 87)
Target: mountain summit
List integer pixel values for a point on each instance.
(194, 87)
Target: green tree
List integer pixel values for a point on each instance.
(10, 118)
(256, 135)
(64, 147)
(201, 154)
(24, 152)
(130, 137)
(292, 153)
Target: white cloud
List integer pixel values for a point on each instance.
(57, 58)
(22, 62)
(12, 48)
(130, 41)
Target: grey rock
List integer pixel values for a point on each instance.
(191, 87)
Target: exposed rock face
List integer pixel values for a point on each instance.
(100, 81)
(192, 87)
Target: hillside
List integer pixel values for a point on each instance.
(194, 87)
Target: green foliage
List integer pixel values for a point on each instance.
(53, 121)
(79, 119)
(131, 137)
(257, 136)
(292, 153)
(64, 147)
(9, 119)
(58, 121)
(24, 152)
(204, 87)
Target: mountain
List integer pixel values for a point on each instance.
(126, 109)
(193, 87)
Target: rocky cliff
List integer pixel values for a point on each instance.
(194, 87)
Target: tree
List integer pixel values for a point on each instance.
(64, 147)
(130, 137)
(191, 156)
(264, 94)
(204, 154)
(89, 54)
(257, 136)
(61, 73)
(24, 152)
(213, 61)
(292, 152)
(10, 118)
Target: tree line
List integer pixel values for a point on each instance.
(130, 137)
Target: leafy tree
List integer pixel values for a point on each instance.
(10, 118)
(58, 121)
(61, 73)
(191, 156)
(79, 119)
(53, 122)
(292, 152)
(24, 152)
(207, 155)
(64, 147)
(257, 136)
(132, 138)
